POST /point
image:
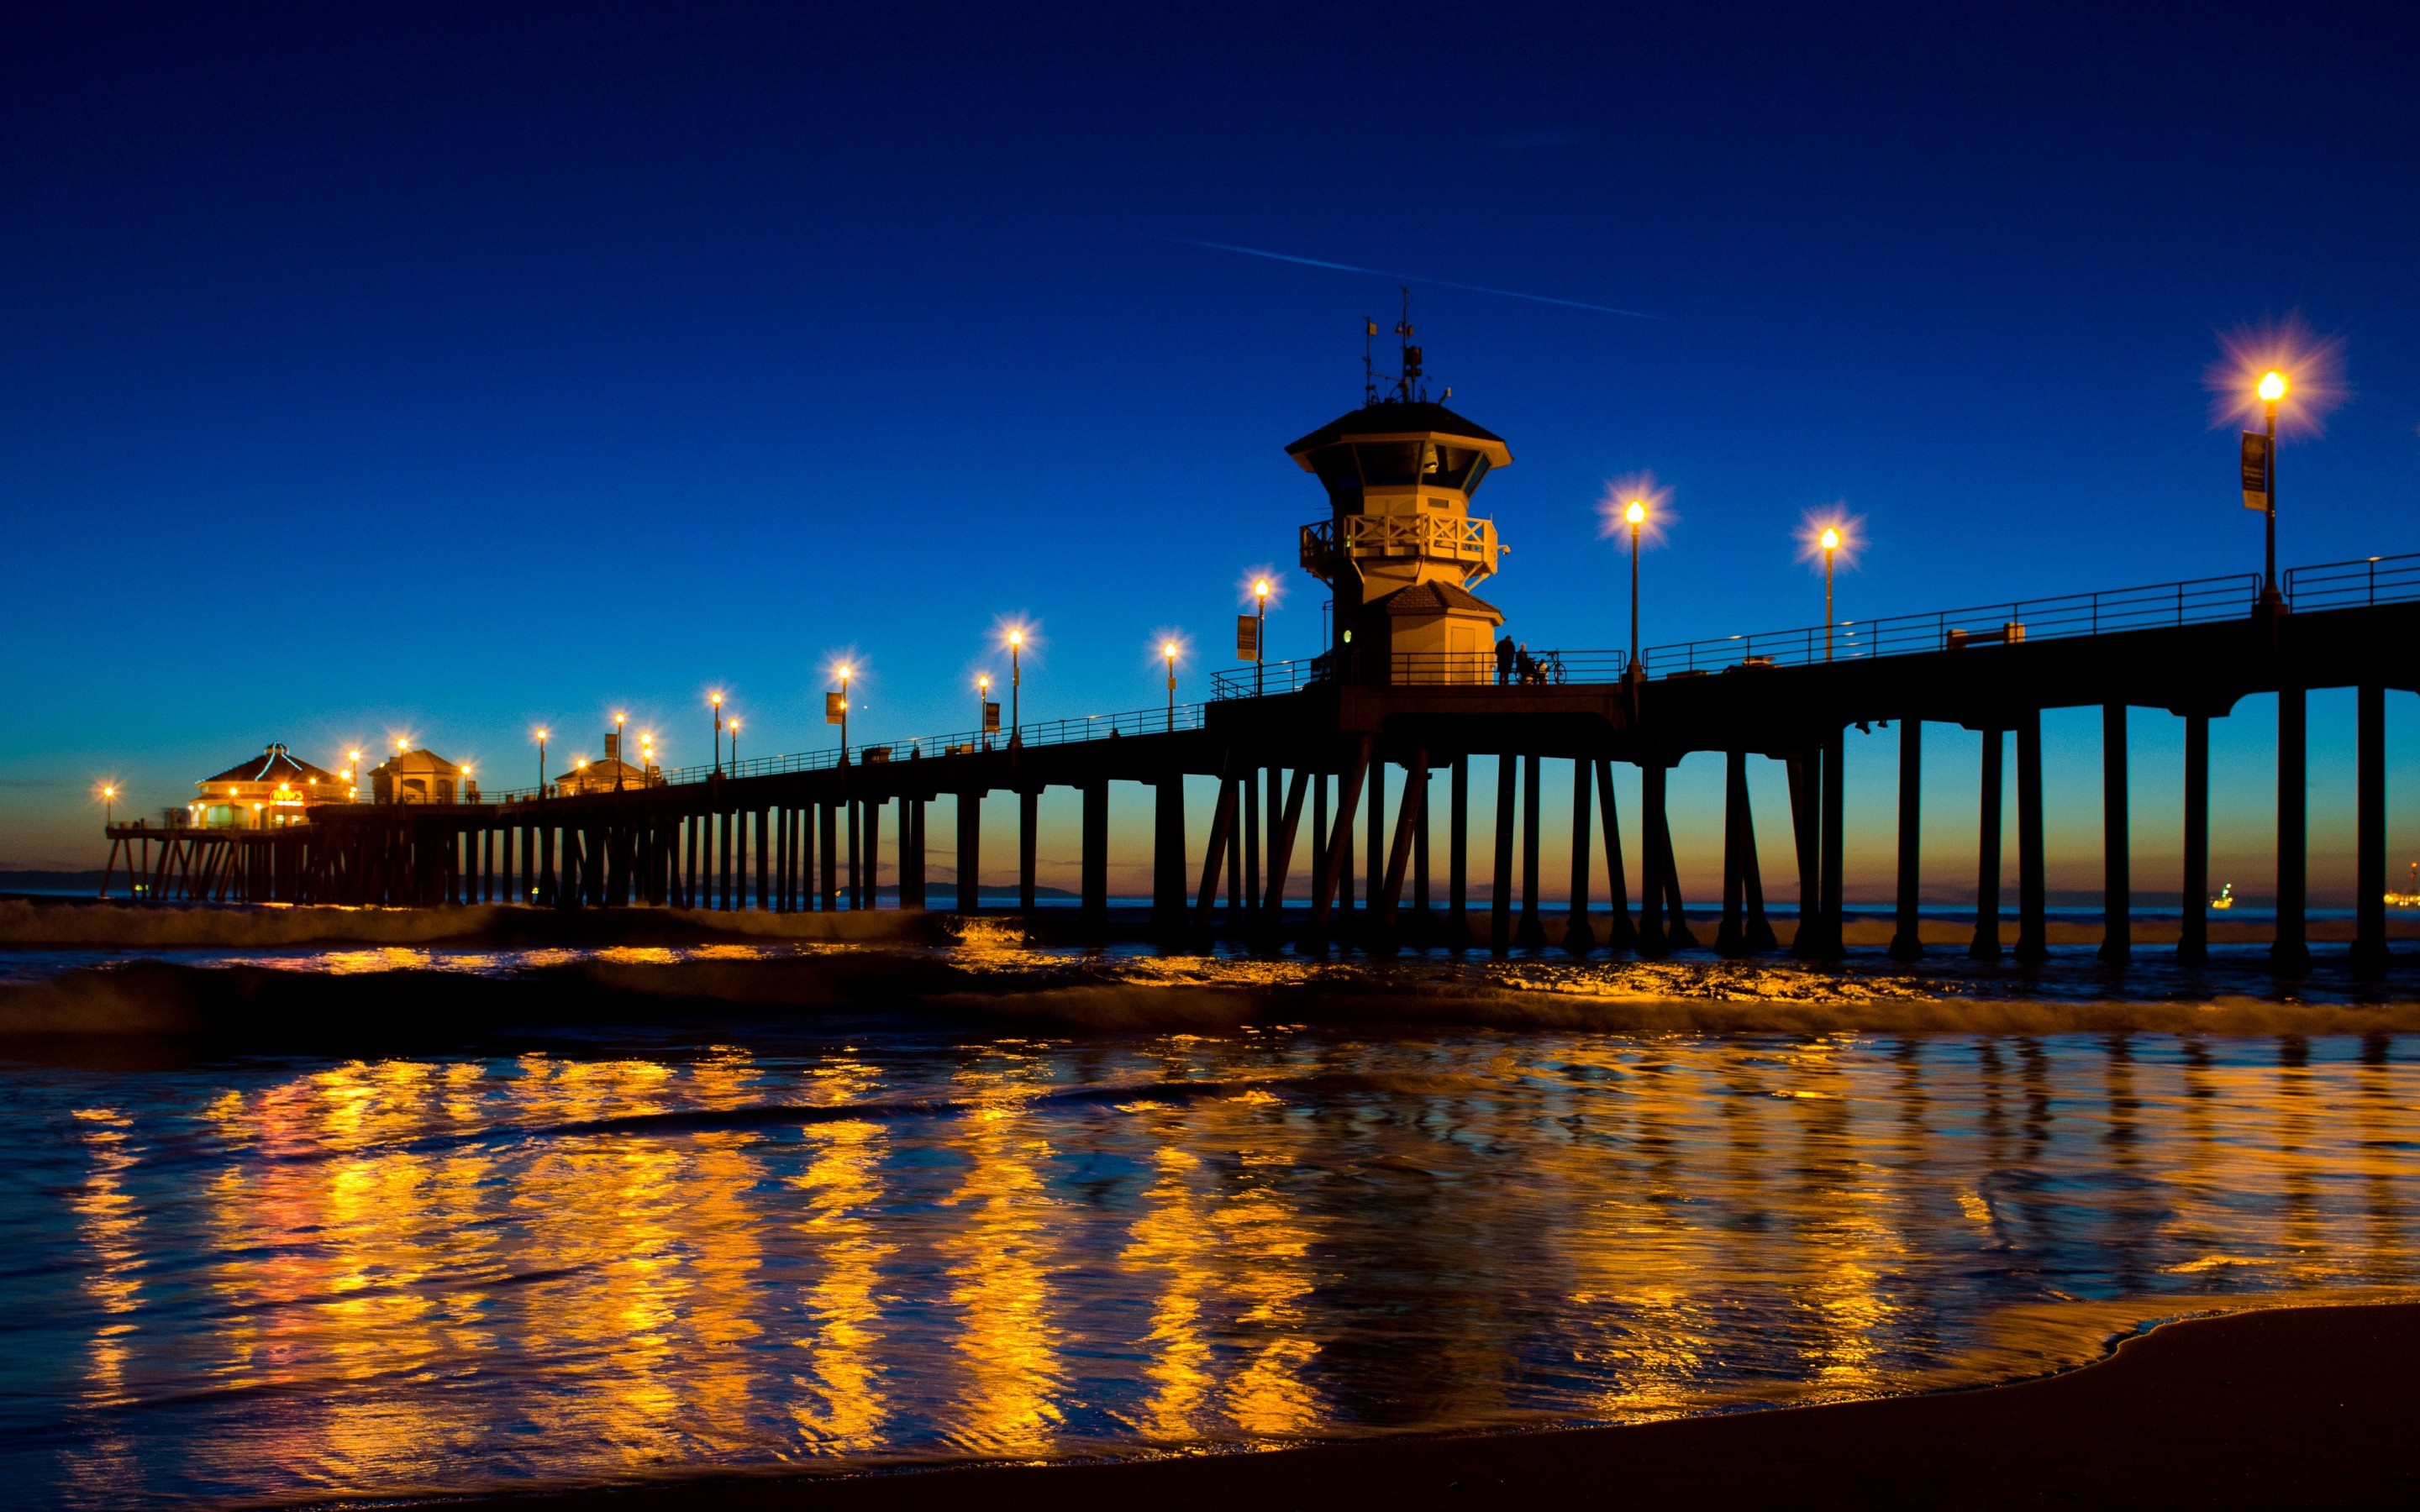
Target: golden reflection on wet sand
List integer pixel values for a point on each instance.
(399, 1275)
(1000, 1262)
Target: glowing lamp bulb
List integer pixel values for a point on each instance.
(1635, 514)
(1831, 539)
(1260, 589)
(1016, 638)
(1169, 651)
(2272, 386)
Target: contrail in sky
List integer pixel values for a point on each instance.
(1411, 278)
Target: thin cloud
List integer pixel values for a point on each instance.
(1408, 278)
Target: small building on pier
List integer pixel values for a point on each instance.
(265, 791)
(611, 774)
(421, 776)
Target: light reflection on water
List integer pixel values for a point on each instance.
(280, 1279)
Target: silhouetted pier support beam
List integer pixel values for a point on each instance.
(1834, 842)
(911, 853)
(1214, 855)
(1388, 899)
(1578, 937)
(1987, 849)
(1531, 936)
(872, 894)
(1730, 937)
(970, 850)
(1028, 826)
(2116, 841)
(2291, 950)
(1335, 845)
(1373, 857)
(1907, 943)
(1168, 851)
(1093, 862)
(1237, 879)
(1253, 872)
(1807, 838)
(2369, 827)
(1499, 903)
(1619, 932)
(2033, 926)
(1424, 915)
(1664, 921)
(829, 849)
(1457, 855)
(2192, 934)
(1282, 844)
(857, 857)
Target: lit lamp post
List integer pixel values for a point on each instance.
(1167, 648)
(1830, 542)
(646, 756)
(1260, 631)
(621, 759)
(541, 763)
(352, 774)
(1636, 515)
(1015, 686)
(2272, 388)
(983, 709)
(716, 702)
(844, 670)
(733, 724)
(108, 806)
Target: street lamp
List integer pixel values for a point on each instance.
(646, 756)
(716, 702)
(541, 763)
(352, 774)
(735, 745)
(1830, 542)
(621, 757)
(1167, 648)
(844, 671)
(108, 806)
(1015, 684)
(983, 707)
(2272, 388)
(1637, 516)
(1260, 631)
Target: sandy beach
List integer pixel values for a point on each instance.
(2284, 1408)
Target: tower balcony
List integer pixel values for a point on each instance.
(1468, 544)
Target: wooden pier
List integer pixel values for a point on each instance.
(1296, 800)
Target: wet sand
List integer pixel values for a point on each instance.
(2285, 1408)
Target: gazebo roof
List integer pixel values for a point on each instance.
(412, 761)
(274, 765)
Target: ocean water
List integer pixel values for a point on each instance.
(987, 1202)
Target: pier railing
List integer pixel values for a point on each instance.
(922, 747)
(2156, 605)
(2196, 601)
(2354, 584)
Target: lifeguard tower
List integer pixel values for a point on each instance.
(1400, 547)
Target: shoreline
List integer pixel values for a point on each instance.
(111, 924)
(2301, 1406)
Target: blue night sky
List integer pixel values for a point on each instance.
(445, 370)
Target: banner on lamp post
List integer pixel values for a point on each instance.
(2256, 470)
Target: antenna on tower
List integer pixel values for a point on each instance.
(1369, 376)
(1409, 374)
